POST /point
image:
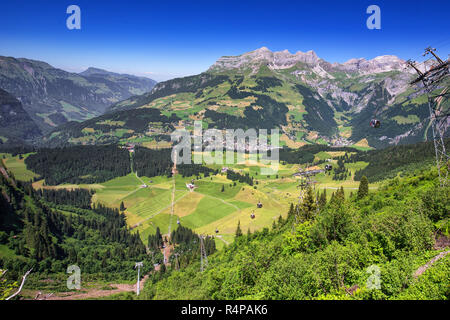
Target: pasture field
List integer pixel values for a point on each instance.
(18, 167)
(216, 203)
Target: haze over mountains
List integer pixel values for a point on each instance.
(53, 96)
(309, 99)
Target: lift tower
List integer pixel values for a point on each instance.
(435, 83)
(203, 256)
(138, 265)
(304, 183)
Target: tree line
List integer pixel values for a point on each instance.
(152, 163)
(80, 198)
(80, 164)
(387, 163)
(236, 176)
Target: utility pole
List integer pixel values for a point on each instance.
(435, 79)
(138, 265)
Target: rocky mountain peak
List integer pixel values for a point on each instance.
(376, 65)
(263, 56)
(284, 60)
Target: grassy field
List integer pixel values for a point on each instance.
(207, 208)
(18, 167)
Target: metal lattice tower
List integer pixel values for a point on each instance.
(203, 256)
(177, 265)
(435, 83)
(138, 265)
(305, 182)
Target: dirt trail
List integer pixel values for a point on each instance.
(143, 182)
(424, 268)
(97, 293)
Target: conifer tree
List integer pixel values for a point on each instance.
(340, 194)
(363, 189)
(309, 206)
(323, 199)
(291, 211)
(238, 230)
(280, 220)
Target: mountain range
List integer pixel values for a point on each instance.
(309, 99)
(52, 96)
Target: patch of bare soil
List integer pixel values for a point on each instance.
(95, 292)
(441, 242)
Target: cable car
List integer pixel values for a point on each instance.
(259, 204)
(217, 230)
(178, 221)
(328, 167)
(374, 123)
(252, 215)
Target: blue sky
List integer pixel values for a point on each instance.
(166, 39)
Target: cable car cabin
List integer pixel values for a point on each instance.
(259, 205)
(217, 230)
(178, 221)
(252, 216)
(374, 123)
(328, 167)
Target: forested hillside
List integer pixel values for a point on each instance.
(50, 230)
(112, 128)
(16, 125)
(80, 164)
(151, 163)
(387, 163)
(325, 253)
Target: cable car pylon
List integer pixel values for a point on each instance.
(432, 80)
(203, 256)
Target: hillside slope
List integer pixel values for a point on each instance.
(53, 96)
(332, 254)
(15, 123)
(48, 230)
